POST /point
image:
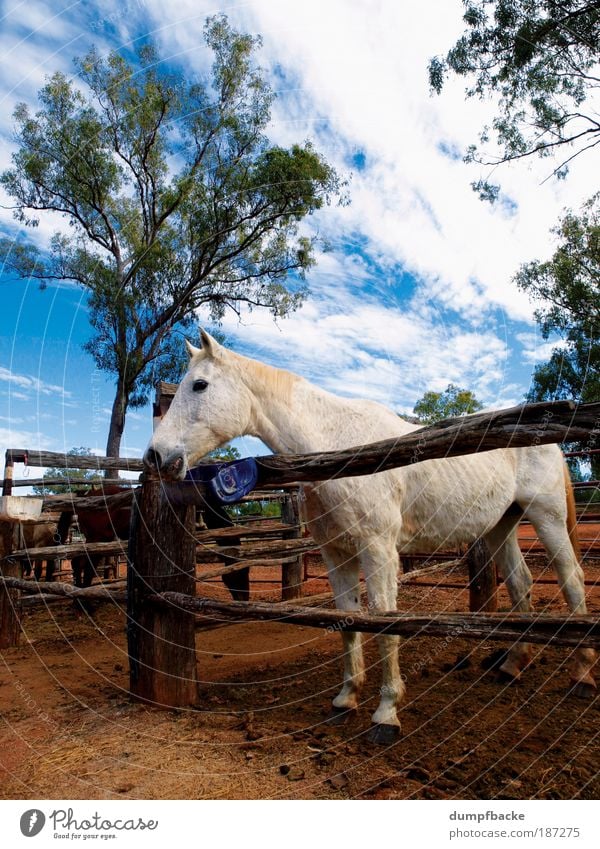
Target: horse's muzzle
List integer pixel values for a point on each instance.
(170, 467)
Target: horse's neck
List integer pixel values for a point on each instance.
(289, 414)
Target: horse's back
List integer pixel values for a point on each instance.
(454, 500)
(432, 504)
(108, 524)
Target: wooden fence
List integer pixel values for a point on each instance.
(161, 585)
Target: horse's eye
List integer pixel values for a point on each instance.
(199, 385)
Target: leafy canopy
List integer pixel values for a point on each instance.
(540, 58)
(453, 401)
(567, 289)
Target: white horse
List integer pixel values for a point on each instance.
(363, 523)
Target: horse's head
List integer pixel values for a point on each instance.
(211, 406)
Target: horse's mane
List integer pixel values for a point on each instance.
(256, 374)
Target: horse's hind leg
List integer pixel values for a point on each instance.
(343, 573)
(380, 564)
(238, 584)
(552, 530)
(503, 546)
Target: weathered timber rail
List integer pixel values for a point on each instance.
(70, 501)
(74, 483)
(245, 532)
(71, 461)
(64, 461)
(255, 550)
(531, 424)
(64, 590)
(516, 427)
(558, 630)
(205, 553)
(72, 549)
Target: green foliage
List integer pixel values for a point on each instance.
(567, 286)
(540, 59)
(175, 198)
(226, 453)
(589, 495)
(435, 406)
(73, 478)
(260, 509)
(567, 289)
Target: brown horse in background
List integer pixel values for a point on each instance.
(106, 525)
(31, 535)
(113, 523)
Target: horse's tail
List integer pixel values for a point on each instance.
(572, 515)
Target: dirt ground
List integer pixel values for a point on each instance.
(70, 730)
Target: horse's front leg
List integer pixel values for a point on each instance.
(343, 573)
(380, 565)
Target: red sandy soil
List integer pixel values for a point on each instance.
(70, 730)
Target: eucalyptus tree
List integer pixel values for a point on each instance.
(175, 198)
(540, 60)
(566, 291)
(453, 401)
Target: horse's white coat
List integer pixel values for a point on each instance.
(363, 522)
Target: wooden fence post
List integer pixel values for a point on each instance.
(7, 483)
(161, 641)
(292, 573)
(483, 582)
(10, 599)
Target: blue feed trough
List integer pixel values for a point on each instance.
(223, 483)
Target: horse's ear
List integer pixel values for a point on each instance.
(192, 351)
(210, 346)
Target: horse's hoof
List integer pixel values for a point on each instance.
(383, 735)
(495, 660)
(339, 716)
(582, 690)
(503, 677)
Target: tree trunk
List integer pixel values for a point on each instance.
(117, 420)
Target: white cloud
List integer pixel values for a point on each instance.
(355, 343)
(11, 437)
(534, 348)
(353, 76)
(33, 383)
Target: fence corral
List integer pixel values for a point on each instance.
(271, 545)
(162, 554)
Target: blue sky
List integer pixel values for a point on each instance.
(416, 291)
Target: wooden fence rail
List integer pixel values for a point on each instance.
(53, 459)
(65, 590)
(531, 424)
(74, 483)
(559, 630)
